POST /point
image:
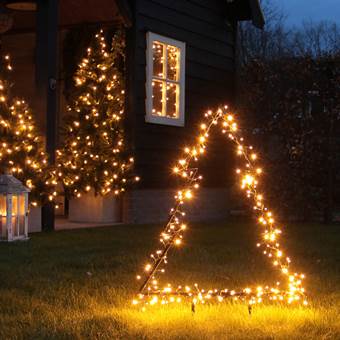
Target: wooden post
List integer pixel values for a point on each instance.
(41, 49)
(46, 78)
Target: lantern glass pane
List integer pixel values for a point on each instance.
(15, 221)
(3, 213)
(2, 205)
(21, 214)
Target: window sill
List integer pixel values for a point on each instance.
(165, 120)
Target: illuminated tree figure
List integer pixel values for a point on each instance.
(152, 291)
(93, 155)
(21, 148)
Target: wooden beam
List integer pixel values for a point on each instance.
(52, 69)
(257, 14)
(41, 48)
(46, 79)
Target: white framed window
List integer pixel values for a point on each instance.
(165, 80)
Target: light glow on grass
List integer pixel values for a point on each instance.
(227, 320)
(50, 295)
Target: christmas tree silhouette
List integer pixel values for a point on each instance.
(22, 151)
(93, 156)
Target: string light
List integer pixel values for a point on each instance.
(151, 292)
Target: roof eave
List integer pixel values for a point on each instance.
(257, 14)
(245, 10)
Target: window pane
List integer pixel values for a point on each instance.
(158, 59)
(173, 54)
(157, 97)
(172, 100)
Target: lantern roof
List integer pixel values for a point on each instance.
(10, 185)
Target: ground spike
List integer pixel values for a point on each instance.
(193, 307)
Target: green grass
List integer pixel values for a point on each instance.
(79, 284)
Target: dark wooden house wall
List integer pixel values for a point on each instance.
(209, 82)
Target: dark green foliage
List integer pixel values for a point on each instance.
(291, 107)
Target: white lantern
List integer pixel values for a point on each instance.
(13, 209)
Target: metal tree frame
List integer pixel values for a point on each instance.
(151, 293)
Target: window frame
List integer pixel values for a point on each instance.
(149, 117)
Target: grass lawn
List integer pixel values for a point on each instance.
(79, 284)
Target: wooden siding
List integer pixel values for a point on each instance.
(209, 40)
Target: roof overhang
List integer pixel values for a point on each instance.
(71, 13)
(243, 10)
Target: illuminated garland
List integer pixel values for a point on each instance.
(151, 292)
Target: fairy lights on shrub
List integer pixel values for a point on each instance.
(22, 150)
(152, 291)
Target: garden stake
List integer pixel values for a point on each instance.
(193, 307)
